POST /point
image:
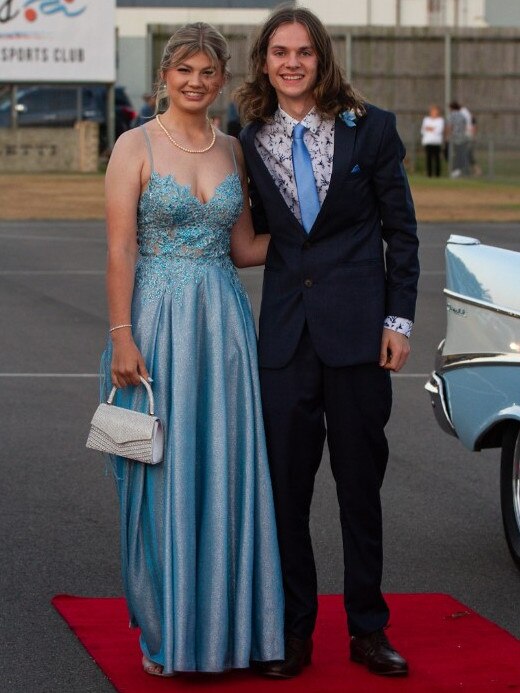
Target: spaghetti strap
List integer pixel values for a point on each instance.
(149, 146)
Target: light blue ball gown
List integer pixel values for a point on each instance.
(200, 562)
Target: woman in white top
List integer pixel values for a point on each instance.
(432, 135)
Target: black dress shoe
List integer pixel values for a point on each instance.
(376, 653)
(297, 655)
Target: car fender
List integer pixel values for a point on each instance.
(479, 397)
(492, 430)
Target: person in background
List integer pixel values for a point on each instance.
(432, 136)
(457, 139)
(327, 182)
(233, 120)
(471, 133)
(474, 168)
(147, 110)
(469, 119)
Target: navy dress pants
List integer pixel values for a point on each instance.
(303, 403)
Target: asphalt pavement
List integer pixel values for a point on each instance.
(59, 518)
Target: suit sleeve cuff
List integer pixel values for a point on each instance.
(401, 325)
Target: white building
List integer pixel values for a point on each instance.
(461, 13)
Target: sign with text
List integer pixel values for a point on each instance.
(57, 41)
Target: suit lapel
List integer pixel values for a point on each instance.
(266, 177)
(344, 140)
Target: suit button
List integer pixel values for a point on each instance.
(307, 245)
(308, 283)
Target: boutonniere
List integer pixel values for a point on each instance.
(349, 118)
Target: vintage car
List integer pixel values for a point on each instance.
(475, 387)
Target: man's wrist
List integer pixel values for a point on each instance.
(397, 324)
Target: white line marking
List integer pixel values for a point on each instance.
(49, 375)
(65, 239)
(96, 375)
(51, 272)
(259, 270)
(250, 270)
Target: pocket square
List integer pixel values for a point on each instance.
(356, 169)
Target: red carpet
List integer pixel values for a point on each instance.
(448, 646)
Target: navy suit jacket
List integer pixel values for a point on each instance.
(339, 279)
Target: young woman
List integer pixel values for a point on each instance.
(432, 137)
(199, 551)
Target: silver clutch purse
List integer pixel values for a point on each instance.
(127, 433)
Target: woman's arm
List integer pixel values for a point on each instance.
(247, 248)
(122, 190)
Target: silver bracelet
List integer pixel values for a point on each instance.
(118, 327)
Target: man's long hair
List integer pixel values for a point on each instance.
(256, 98)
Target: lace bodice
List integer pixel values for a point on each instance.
(171, 221)
(179, 236)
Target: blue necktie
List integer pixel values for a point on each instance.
(304, 175)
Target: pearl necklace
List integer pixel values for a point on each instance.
(186, 149)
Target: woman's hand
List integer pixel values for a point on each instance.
(127, 361)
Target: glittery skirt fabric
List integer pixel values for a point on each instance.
(200, 561)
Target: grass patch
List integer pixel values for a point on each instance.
(480, 183)
(81, 196)
(466, 199)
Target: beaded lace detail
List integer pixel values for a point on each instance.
(180, 238)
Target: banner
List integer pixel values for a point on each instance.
(57, 41)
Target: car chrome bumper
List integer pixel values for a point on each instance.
(435, 388)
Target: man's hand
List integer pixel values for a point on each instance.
(395, 348)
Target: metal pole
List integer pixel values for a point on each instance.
(447, 72)
(369, 12)
(111, 116)
(398, 12)
(79, 103)
(447, 90)
(14, 111)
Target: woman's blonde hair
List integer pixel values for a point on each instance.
(256, 98)
(187, 41)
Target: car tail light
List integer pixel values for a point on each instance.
(129, 112)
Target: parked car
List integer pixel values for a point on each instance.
(58, 106)
(475, 387)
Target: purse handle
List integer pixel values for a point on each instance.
(113, 391)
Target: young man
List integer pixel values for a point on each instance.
(327, 182)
